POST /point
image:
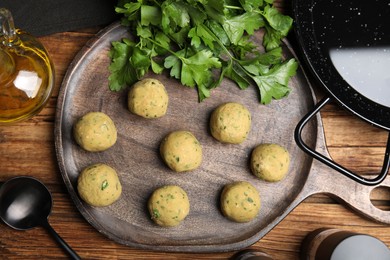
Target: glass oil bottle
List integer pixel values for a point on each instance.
(26, 73)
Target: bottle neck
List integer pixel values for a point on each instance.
(7, 29)
(7, 37)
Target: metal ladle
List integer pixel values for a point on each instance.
(26, 203)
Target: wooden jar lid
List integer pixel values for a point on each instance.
(335, 244)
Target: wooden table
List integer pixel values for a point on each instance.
(27, 148)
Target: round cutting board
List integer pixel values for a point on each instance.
(136, 157)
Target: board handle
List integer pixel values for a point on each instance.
(357, 196)
(334, 165)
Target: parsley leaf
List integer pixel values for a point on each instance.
(194, 70)
(122, 73)
(202, 42)
(104, 185)
(236, 25)
(278, 27)
(274, 83)
(150, 15)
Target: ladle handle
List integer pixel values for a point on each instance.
(60, 241)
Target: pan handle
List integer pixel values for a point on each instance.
(334, 165)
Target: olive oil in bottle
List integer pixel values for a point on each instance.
(26, 73)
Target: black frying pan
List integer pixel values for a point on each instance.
(346, 45)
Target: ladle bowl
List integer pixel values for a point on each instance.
(25, 203)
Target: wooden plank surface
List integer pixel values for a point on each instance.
(27, 148)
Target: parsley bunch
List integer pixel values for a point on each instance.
(202, 41)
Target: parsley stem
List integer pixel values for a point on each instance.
(158, 44)
(228, 53)
(233, 7)
(216, 39)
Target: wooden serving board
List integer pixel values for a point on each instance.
(136, 158)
